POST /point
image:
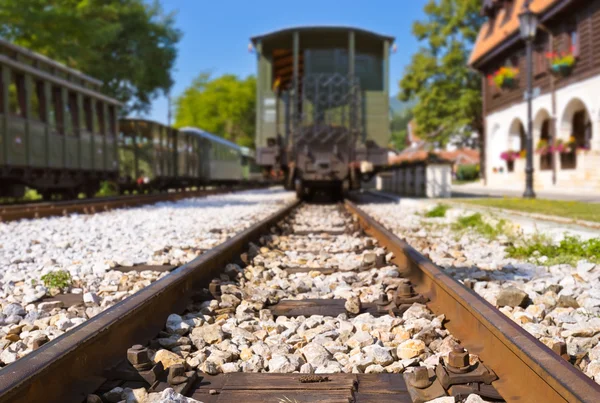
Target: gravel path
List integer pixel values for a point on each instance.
(239, 333)
(89, 247)
(557, 304)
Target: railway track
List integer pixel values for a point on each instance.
(314, 303)
(89, 206)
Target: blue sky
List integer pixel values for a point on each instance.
(216, 32)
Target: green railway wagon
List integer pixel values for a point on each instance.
(322, 105)
(57, 130)
(154, 156)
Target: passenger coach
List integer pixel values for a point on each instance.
(57, 130)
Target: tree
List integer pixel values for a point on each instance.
(399, 128)
(224, 106)
(127, 44)
(448, 92)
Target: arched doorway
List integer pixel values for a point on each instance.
(576, 133)
(517, 141)
(545, 145)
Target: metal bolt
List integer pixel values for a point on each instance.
(215, 288)
(369, 244)
(421, 378)
(383, 299)
(560, 348)
(380, 261)
(176, 374)
(458, 357)
(138, 355)
(404, 290)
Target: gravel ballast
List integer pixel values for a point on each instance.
(238, 332)
(555, 303)
(92, 247)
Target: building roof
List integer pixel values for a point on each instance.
(212, 137)
(289, 30)
(461, 156)
(494, 32)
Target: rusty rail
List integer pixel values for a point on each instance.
(528, 371)
(87, 206)
(71, 366)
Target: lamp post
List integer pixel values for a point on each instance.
(528, 22)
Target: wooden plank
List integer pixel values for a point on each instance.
(382, 383)
(320, 232)
(325, 307)
(144, 267)
(285, 396)
(260, 382)
(305, 269)
(68, 300)
(382, 398)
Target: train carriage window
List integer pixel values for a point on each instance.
(112, 123)
(73, 112)
(38, 104)
(100, 122)
(57, 110)
(87, 113)
(16, 95)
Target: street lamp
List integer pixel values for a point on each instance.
(528, 22)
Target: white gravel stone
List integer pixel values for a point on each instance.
(558, 303)
(90, 247)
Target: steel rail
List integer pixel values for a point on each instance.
(528, 371)
(49, 209)
(70, 367)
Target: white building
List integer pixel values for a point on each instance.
(566, 110)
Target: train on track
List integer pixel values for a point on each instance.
(322, 117)
(60, 135)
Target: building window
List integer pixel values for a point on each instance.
(572, 39)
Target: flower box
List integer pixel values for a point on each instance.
(561, 64)
(504, 78)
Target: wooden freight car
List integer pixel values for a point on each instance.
(322, 113)
(57, 130)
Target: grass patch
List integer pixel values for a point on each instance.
(438, 211)
(570, 250)
(475, 222)
(560, 208)
(60, 279)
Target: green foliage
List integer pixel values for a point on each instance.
(128, 44)
(448, 92)
(60, 279)
(438, 211)
(476, 223)
(224, 106)
(467, 172)
(107, 188)
(570, 250)
(399, 129)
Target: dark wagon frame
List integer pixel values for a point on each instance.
(322, 115)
